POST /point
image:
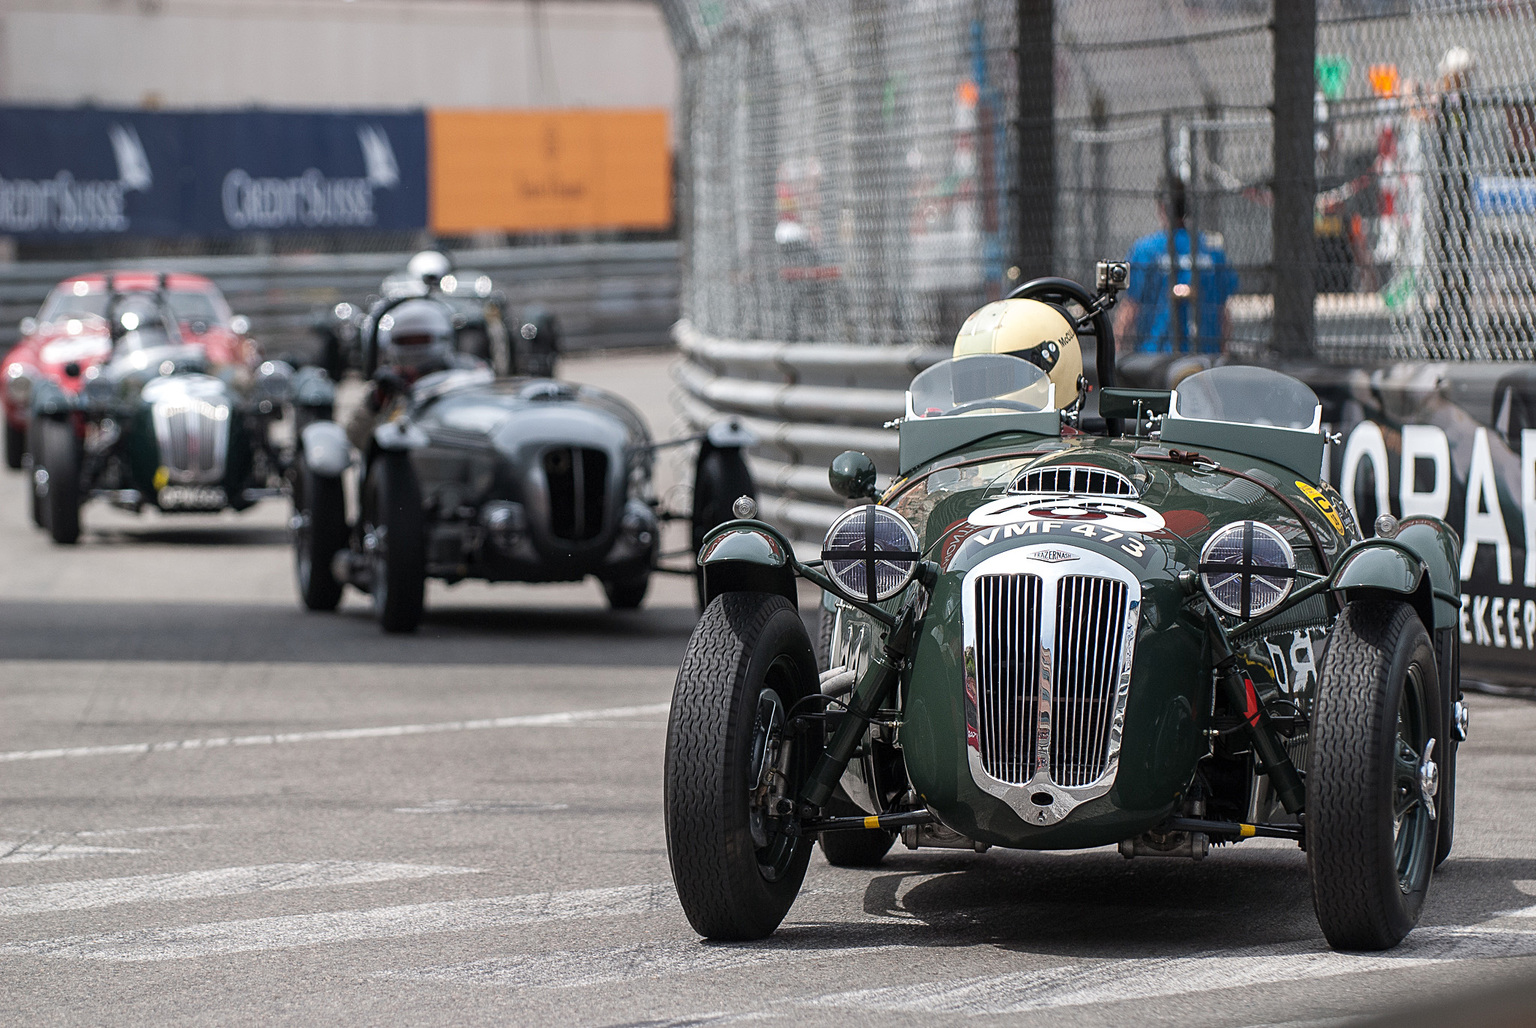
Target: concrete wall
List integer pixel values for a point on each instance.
(336, 53)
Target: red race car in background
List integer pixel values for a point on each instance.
(70, 334)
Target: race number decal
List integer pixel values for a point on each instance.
(1321, 503)
(1110, 513)
(1294, 662)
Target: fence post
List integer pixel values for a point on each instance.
(1035, 173)
(1293, 253)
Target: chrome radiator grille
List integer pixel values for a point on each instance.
(1008, 673)
(1047, 705)
(193, 438)
(1090, 618)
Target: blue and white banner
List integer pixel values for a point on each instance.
(81, 172)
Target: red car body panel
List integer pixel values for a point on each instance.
(85, 341)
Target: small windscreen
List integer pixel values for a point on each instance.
(1247, 396)
(983, 383)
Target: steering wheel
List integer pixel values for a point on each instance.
(992, 405)
(1062, 291)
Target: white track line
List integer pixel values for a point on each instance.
(223, 881)
(43, 852)
(567, 969)
(132, 749)
(1119, 981)
(400, 922)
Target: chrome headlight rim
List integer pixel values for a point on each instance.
(1276, 580)
(840, 561)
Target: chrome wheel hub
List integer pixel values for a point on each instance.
(1429, 779)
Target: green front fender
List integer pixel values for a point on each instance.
(1386, 565)
(747, 556)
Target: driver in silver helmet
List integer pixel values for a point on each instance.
(414, 338)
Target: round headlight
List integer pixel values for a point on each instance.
(1247, 568)
(870, 553)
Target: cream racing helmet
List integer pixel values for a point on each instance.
(1033, 331)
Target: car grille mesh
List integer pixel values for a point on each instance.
(192, 440)
(1075, 480)
(1008, 672)
(577, 478)
(1090, 613)
(1084, 671)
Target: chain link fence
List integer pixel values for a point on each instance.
(1425, 143)
(846, 165)
(852, 169)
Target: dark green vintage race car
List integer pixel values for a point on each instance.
(1156, 629)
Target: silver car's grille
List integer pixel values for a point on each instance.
(193, 438)
(1008, 673)
(1090, 622)
(577, 480)
(1076, 480)
(1043, 707)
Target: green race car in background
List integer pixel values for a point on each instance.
(1156, 629)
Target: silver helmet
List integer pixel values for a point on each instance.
(416, 337)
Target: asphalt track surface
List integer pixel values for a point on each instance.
(215, 808)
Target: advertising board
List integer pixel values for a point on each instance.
(88, 171)
(549, 171)
(1455, 441)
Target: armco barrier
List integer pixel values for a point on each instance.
(605, 294)
(806, 402)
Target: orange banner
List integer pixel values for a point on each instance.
(548, 171)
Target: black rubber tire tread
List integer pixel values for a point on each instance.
(709, 841)
(627, 593)
(397, 497)
(321, 498)
(1448, 656)
(858, 847)
(60, 457)
(1355, 890)
(15, 445)
(720, 477)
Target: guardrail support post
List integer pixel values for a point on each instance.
(1034, 175)
(1293, 253)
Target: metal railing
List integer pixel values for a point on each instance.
(806, 403)
(605, 294)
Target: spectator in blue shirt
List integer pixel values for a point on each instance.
(1143, 322)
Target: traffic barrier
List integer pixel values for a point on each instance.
(605, 295)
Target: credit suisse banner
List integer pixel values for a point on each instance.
(74, 172)
(78, 172)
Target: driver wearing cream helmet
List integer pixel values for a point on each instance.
(1031, 330)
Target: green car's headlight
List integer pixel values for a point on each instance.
(870, 553)
(1247, 569)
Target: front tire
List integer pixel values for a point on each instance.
(58, 488)
(627, 593)
(394, 538)
(1370, 825)
(320, 532)
(729, 761)
(15, 445)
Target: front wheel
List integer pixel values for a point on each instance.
(57, 488)
(15, 445)
(319, 533)
(733, 763)
(394, 538)
(1373, 778)
(627, 593)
